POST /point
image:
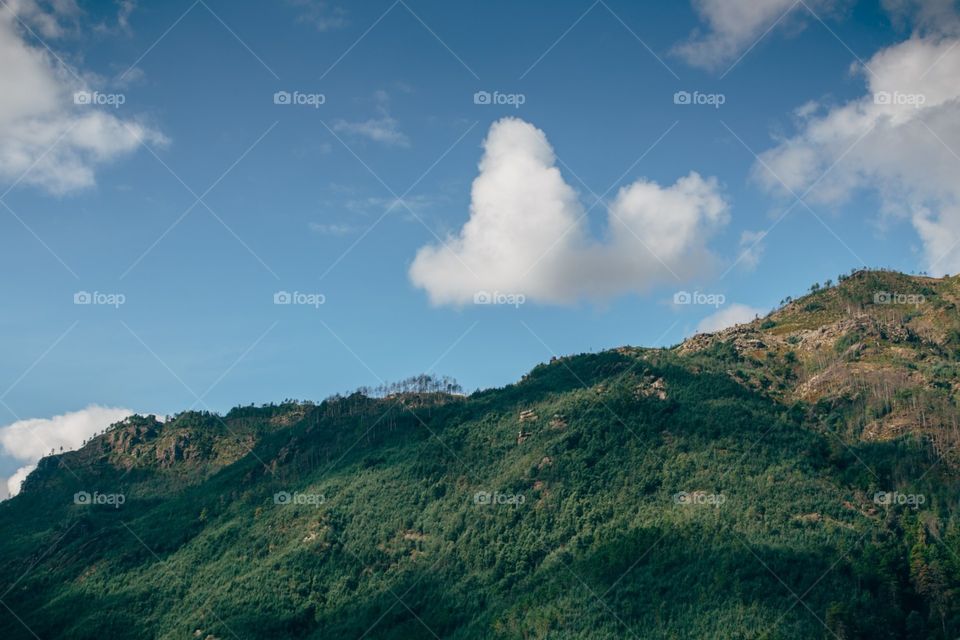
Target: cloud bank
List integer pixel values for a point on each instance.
(45, 138)
(29, 440)
(527, 231)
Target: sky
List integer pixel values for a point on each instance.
(206, 204)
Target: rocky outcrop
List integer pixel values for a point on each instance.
(651, 386)
(126, 438)
(176, 450)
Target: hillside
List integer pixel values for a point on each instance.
(879, 353)
(794, 477)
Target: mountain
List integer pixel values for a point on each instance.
(793, 477)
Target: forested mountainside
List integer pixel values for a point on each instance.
(794, 477)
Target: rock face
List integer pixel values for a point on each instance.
(178, 449)
(652, 386)
(744, 338)
(857, 346)
(126, 438)
(528, 416)
(141, 441)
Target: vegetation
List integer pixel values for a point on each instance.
(790, 478)
(423, 383)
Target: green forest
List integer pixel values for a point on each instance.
(790, 478)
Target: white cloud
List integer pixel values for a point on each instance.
(29, 440)
(125, 9)
(527, 232)
(383, 128)
(42, 132)
(751, 248)
(121, 24)
(420, 205)
(733, 26)
(901, 140)
(12, 486)
(332, 229)
(938, 16)
(730, 315)
(52, 19)
(320, 14)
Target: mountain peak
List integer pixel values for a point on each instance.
(880, 346)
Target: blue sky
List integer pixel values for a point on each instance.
(199, 198)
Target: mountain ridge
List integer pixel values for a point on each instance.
(720, 488)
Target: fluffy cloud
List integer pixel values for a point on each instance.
(527, 231)
(42, 132)
(901, 140)
(12, 485)
(728, 316)
(29, 440)
(733, 26)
